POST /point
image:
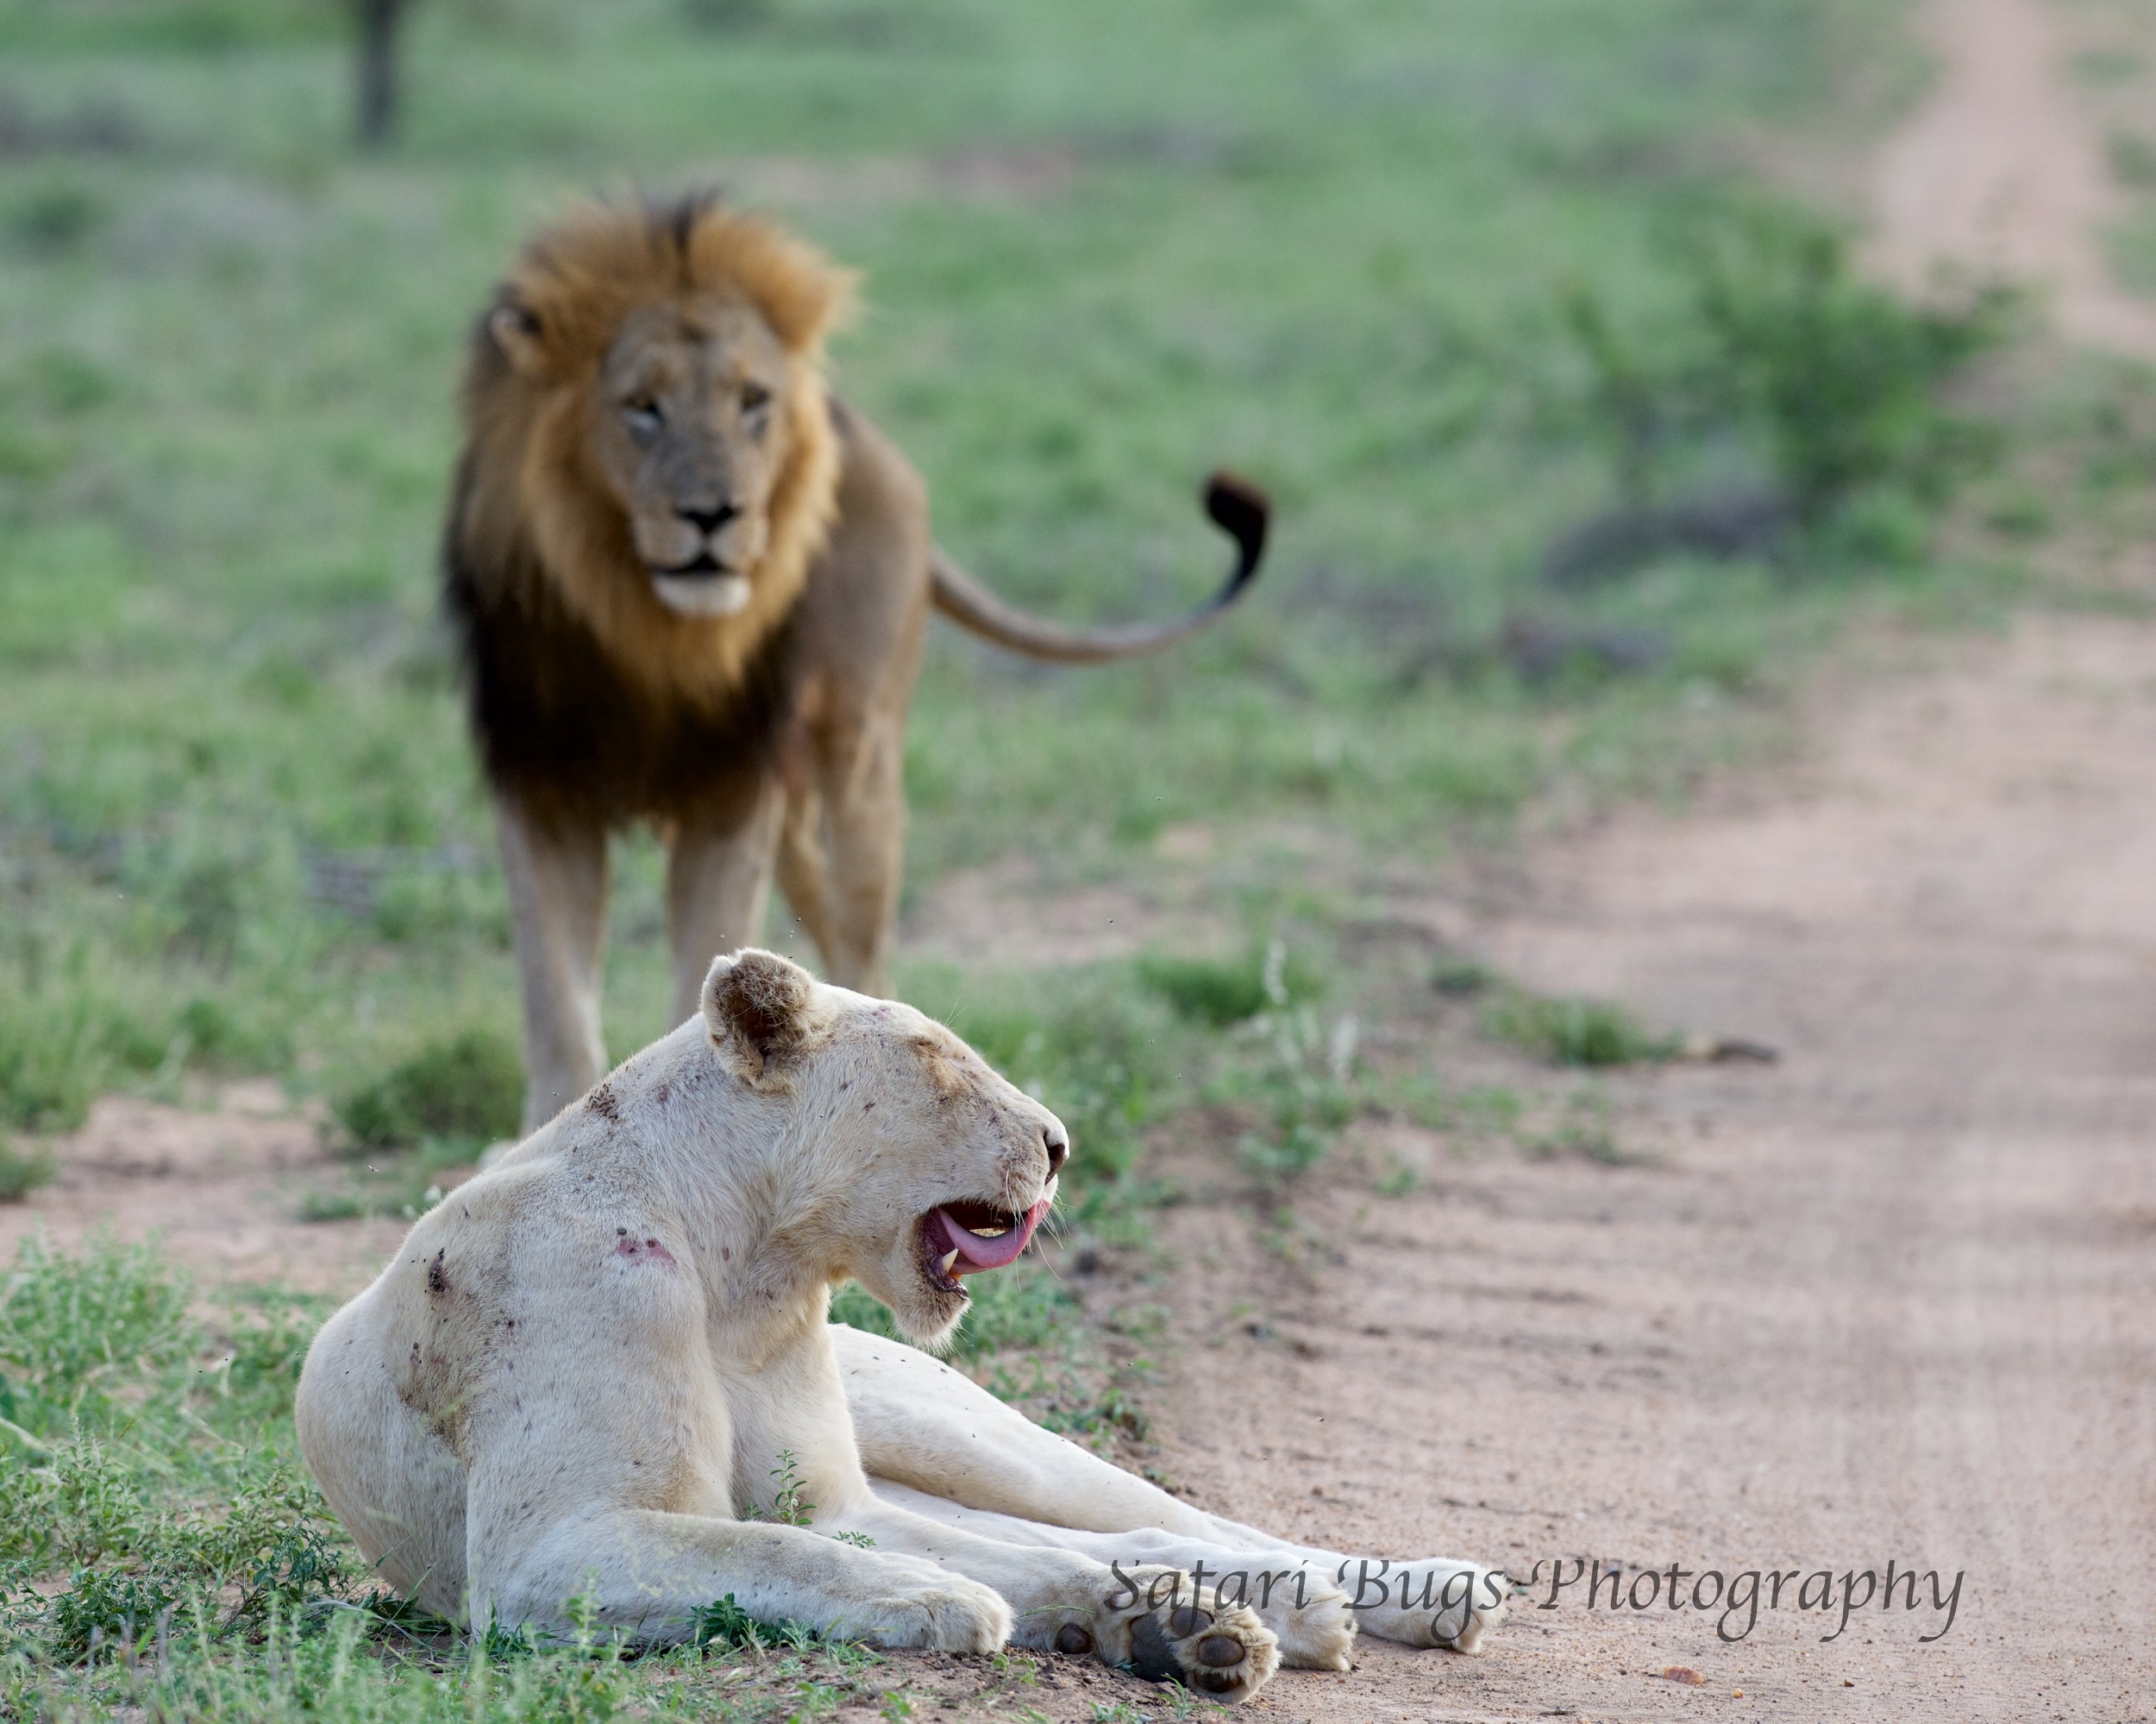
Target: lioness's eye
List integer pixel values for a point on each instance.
(642, 414)
(754, 397)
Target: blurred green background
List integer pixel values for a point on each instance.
(1442, 276)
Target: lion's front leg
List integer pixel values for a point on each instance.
(718, 880)
(1144, 1617)
(555, 869)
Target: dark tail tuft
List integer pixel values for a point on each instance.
(1241, 510)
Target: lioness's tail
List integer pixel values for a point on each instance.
(1237, 508)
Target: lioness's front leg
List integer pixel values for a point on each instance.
(1149, 1619)
(652, 1573)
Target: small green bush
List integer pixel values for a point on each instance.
(1829, 386)
(1845, 376)
(1574, 1032)
(1458, 977)
(468, 1089)
(1220, 992)
(22, 1171)
(75, 1330)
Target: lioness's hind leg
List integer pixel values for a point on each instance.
(1151, 1619)
(1296, 1600)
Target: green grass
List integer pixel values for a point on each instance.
(240, 823)
(161, 1547)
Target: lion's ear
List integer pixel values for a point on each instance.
(761, 1010)
(518, 333)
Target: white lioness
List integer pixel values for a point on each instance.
(585, 1369)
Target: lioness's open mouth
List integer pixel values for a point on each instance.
(965, 1237)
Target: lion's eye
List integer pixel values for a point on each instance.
(755, 397)
(642, 414)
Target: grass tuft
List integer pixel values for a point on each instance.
(24, 1171)
(466, 1090)
(1574, 1032)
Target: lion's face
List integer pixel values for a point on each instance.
(650, 439)
(916, 1164)
(690, 430)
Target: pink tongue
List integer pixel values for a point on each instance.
(977, 1253)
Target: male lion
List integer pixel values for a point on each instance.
(691, 587)
(585, 1369)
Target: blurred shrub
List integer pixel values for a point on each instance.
(1220, 992)
(1834, 387)
(468, 1089)
(1845, 376)
(52, 218)
(23, 1170)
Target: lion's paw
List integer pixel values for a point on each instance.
(949, 1614)
(1434, 1602)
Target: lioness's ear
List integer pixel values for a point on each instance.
(517, 332)
(761, 1010)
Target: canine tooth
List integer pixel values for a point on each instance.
(950, 1257)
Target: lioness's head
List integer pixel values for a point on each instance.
(908, 1164)
(649, 425)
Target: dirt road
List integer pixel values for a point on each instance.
(1894, 1298)
(2002, 173)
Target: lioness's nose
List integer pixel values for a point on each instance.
(709, 520)
(1058, 1144)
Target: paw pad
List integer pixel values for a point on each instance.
(1220, 1651)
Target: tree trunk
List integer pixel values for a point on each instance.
(379, 20)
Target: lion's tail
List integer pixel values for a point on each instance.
(1238, 508)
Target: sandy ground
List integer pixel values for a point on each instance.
(219, 1183)
(1893, 1298)
(2002, 173)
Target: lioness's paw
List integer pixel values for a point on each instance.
(1225, 1653)
(1320, 1635)
(1437, 1604)
(951, 1614)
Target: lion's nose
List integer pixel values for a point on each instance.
(709, 520)
(1058, 1144)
